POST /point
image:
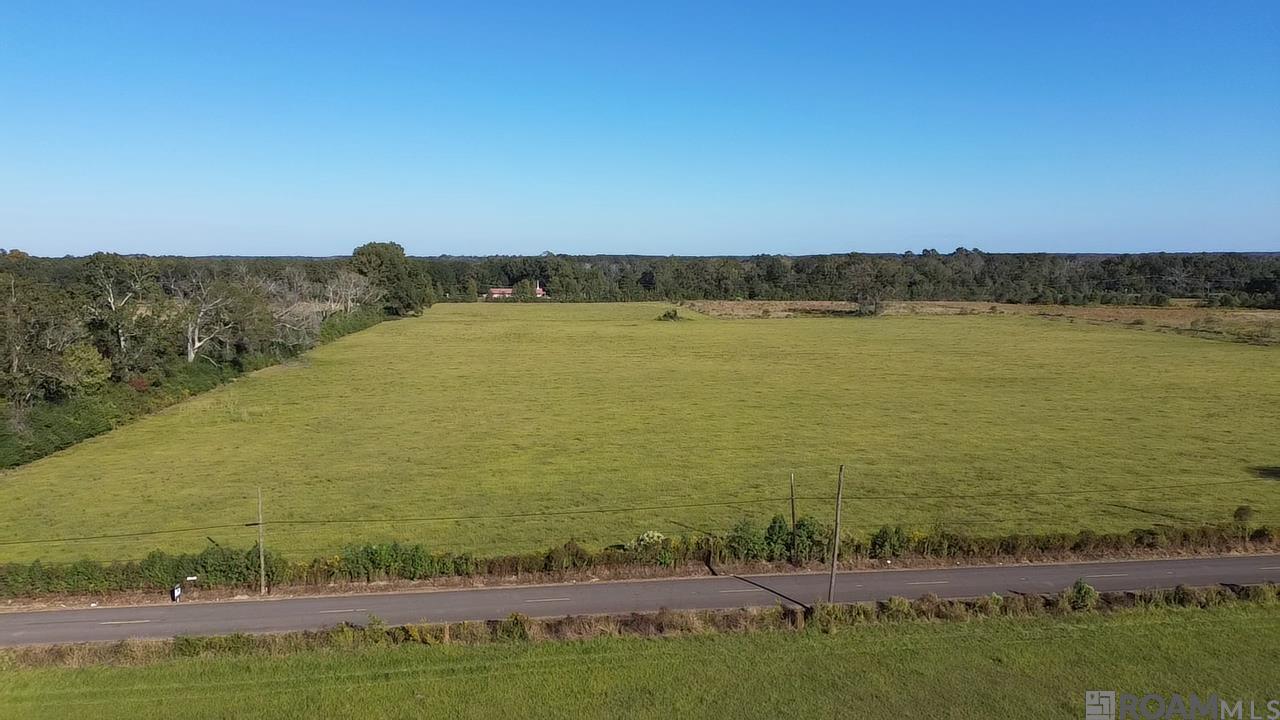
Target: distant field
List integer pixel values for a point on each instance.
(489, 409)
(1005, 668)
(1252, 325)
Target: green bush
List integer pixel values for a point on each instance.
(809, 540)
(888, 542)
(375, 631)
(336, 326)
(1260, 594)
(897, 609)
(421, 634)
(1186, 596)
(1082, 596)
(1024, 605)
(989, 605)
(826, 617)
(930, 607)
(777, 540)
(1150, 598)
(745, 541)
(1215, 596)
(515, 628)
(567, 557)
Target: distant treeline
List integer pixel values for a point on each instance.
(1232, 279)
(86, 343)
(1251, 280)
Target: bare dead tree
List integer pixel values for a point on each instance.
(296, 305)
(347, 290)
(202, 305)
(119, 284)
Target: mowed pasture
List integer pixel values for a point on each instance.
(999, 668)
(487, 427)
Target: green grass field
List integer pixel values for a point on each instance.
(492, 409)
(1001, 668)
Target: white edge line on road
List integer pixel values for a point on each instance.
(124, 622)
(329, 612)
(929, 582)
(1270, 567)
(548, 600)
(1107, 575)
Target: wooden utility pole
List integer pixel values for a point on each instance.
(793, 502)
(262, 558)
(835, 544)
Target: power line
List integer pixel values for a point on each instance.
(641, 508)
(732, 503)
(1043, 493)
(673, 531)
(522, 516)
(124, 535)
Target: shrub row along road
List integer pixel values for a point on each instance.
(257, 616)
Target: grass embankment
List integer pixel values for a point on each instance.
(499, 409)
(993, 668)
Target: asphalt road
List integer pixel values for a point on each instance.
(263, 616)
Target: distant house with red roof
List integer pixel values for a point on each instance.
(499, 293)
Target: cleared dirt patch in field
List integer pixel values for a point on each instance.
(755, 309)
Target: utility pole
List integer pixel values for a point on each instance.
(261, 554)
(835, 545)
(793, 502)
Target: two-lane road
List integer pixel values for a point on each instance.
(262, 616)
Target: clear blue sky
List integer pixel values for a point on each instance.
(685, 128)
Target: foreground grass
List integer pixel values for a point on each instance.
(504, 409)
(995, 668)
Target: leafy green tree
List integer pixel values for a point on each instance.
(38, 324)
(524, 291)
(84, 368)
(405, 289)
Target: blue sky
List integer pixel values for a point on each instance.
(644, 127)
